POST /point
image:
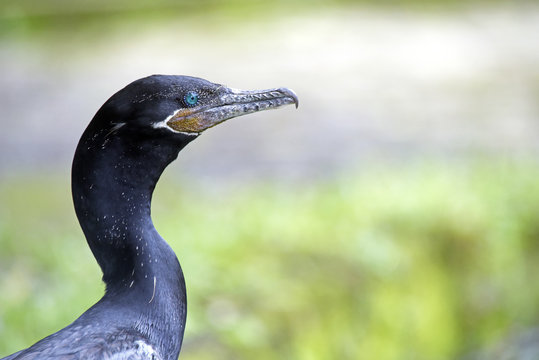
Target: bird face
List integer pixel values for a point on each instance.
(188, 105)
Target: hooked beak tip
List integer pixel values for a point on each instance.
(290, 93)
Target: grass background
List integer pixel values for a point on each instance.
(419, 261)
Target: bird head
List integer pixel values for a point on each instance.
(185, 105)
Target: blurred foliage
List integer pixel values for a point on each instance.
(31, 17)
(424, 261)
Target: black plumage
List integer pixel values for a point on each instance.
(118, 161)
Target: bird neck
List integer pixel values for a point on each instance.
(113, 179)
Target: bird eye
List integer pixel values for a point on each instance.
(191, 98)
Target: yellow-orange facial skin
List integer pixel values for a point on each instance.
(186, 120)
(196, 120)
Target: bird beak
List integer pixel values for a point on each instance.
(231, 103)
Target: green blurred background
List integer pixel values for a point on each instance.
(394, 215)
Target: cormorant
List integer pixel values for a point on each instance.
(117, 163)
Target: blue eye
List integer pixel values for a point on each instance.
(191, 98)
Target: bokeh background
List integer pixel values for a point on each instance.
(394, 215)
